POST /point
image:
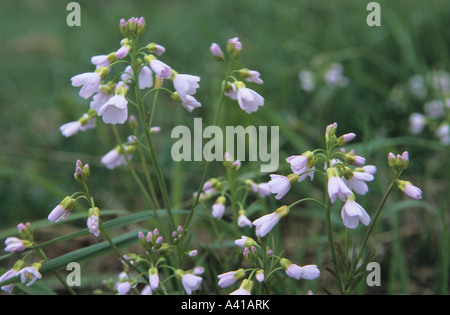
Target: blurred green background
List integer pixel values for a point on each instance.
(39, 53)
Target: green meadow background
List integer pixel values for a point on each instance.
(39, 53)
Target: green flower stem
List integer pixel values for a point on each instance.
(377, 213)
(205, 172)
(153, 158)
(133, 172)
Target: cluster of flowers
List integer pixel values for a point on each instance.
(154, 260)
(28, 274)
(433, 90)
(329, 74)
(259, 258)
(248, 99)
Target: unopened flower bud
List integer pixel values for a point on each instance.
(216, 52)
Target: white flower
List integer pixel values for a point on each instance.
(101, 61)
(100, 98)
(306, 80)
(267, 222)
(352, 213)
(227, 279)
(161, 69)
(89, 82)
(243, 220)
(279, 185)
(123, 288)
(115, 110)
(14, 245)
(29, 275)
(145, 76)
(114, 158)
(299, 165)
(190, 103)
(191, 282)
(336, 186)
(7, 275)
(154, 278)
(416, 123)
(218, 210)
(249, 100)
(244, 289)
(185, 84)
(63, 210)
(92, 224)
(357, 182)
(262, 189)
(413, 192)
(443, 133)
(71, 128)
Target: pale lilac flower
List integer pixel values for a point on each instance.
(146, 290)
(243, 220)
(198, 270)
(193, 253)
(245, 288)
(63, 210)
(334, 77)
(412, 191)
(434, 109)
(100, 98)
(161, 69)
(218, 210)
(260, 276)
(231, 91)
(262, 189)
(336, 186)
(416, 123)
(357, 182)
(115, 110)
(306, 80)
(14, 245)
(185, 84)
(145, 76)
(122, 52)
(154, 278)
(249, 100)
(101, 61)
(235, 44)
(443, 133)
(228, 278)
(190, 103)
(299, 165)
(279, 185)
(159, 50)
(123, 288)
(216, 52)
(71, 128)
(242, 241)
(92, 224)
(7, 275)
(267, 222)
(251, 76)
(308, 272)
(114, 158)
(352, 213)
(191, 282)
(89, 82)
(29, 275)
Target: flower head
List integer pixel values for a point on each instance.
(248, 99)
(267, 222)
(190, 282)
(308, 272)
(336, 186)
(63, 210)
(29, 275)
(89, 82)
(115, 110)
(352, 213)
(185, 84)
(14, 245)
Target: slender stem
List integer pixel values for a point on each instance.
(60, 279)
(331, 241)
(377, 213)
(205, 172)
(133, 172)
